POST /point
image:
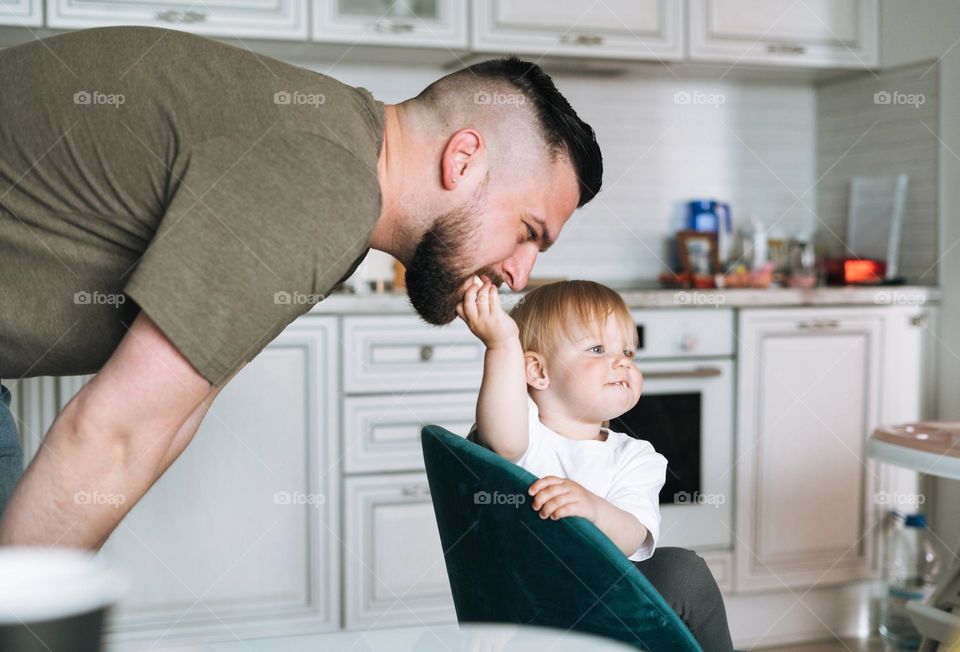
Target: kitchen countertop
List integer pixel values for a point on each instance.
(652, 297)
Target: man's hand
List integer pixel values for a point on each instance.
(557, 498)
(481, 310)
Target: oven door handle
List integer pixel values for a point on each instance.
(699, 372)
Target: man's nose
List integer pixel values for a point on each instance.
(517, 271)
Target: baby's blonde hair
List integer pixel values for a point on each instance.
(558, 308)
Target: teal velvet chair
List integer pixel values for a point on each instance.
(506, 564)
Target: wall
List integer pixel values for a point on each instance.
(860, 135)
(912, 32)
(664, 140)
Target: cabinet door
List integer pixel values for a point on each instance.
(414, 23)
(622, 29)
(21, 13)
(238, 537)
(814, 33)
(810, 383)
(393, 560)
(270, 19)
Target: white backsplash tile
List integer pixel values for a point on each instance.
(753, 146)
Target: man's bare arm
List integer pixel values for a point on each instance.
(114, 439)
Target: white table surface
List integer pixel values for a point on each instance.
(438, 638)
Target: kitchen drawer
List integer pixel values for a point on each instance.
(382, 433)
(688, 332)
(404, 354)
(393, 559)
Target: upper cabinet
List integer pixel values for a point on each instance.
(813, 33)
(623, 29)
(21, 13)
(820, 34)
(419, 23)
(278, 19)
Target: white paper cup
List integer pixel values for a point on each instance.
(54, 599)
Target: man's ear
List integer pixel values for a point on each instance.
(461, 157)
(536, 369)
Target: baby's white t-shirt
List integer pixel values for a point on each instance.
(626, 472)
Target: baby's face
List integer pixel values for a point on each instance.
(593, 373)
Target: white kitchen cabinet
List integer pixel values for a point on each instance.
(240, 536)
(813, 33)
(413, 23)
(813, 384)
(619, 29)
(394, 571)
(401, 353)
(274, 19)
(382, 432)
(21, 13)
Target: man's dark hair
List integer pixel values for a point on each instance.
(563, 130)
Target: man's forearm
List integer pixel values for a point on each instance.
(502, 403)
(81, 484)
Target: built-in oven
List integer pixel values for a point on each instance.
(686, 412)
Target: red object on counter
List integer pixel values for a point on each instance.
(848, 271)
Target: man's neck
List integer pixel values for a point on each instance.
(387, 235)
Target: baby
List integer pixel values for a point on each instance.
(556, 370)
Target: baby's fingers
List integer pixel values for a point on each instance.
(470, 303)
(489, 297)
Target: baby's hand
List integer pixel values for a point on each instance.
(557, 498)
(480, 308)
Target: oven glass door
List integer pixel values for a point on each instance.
(686, 413)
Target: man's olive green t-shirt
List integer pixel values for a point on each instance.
(222, 192)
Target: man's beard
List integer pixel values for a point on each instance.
(435, 276)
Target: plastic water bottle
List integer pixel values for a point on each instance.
(910, 575)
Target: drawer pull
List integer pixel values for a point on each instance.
(421, 489)
(426, 353)
(918, 320)
(785, 48)
(174, 16)
(581, 39)
(387, 26)
(818, 324)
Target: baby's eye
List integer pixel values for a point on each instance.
(594, 349)
(629, 354)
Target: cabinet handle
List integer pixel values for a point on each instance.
(699, 372)
(818, 324)
(421, 489)
(786, 48)
(388, 26)
(174, 16)
(426, 353)
(581, 39)
(918, 320)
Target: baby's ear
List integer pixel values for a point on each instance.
(536, 370)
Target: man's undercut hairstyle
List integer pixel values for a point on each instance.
(563, 132)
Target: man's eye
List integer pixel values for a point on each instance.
(531, 233)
